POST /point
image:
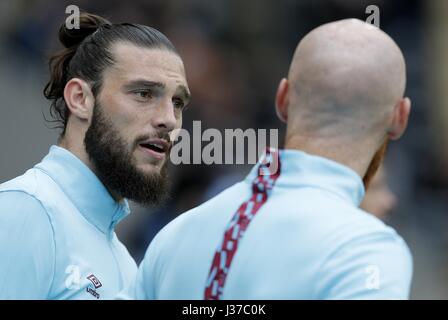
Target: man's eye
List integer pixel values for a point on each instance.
(144, 94)
(178, 103)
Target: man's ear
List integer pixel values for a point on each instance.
(79, 98)
(282, 100)
(400, 118)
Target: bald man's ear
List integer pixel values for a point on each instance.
(282, 100)
(79, 99)
(400, 119)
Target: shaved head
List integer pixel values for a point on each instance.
(343, 98)
(345, 78)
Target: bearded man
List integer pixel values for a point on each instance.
(118, 91)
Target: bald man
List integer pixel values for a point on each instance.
(292, 229)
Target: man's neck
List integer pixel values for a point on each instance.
(357, 157)
(78, 151)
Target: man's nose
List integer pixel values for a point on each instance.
(164, 117)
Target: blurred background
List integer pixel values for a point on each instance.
(235, 52)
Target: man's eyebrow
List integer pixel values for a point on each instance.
(141, 83)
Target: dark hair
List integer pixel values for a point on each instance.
(87, 53)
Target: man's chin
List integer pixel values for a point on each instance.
(150, 168)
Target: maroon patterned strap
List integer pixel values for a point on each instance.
(268, 173)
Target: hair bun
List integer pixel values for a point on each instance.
(88, 24)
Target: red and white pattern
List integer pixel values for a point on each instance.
(268, 173)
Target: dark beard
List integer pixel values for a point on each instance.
(115, 167)
(375, 163)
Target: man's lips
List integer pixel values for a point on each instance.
(157, 148)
